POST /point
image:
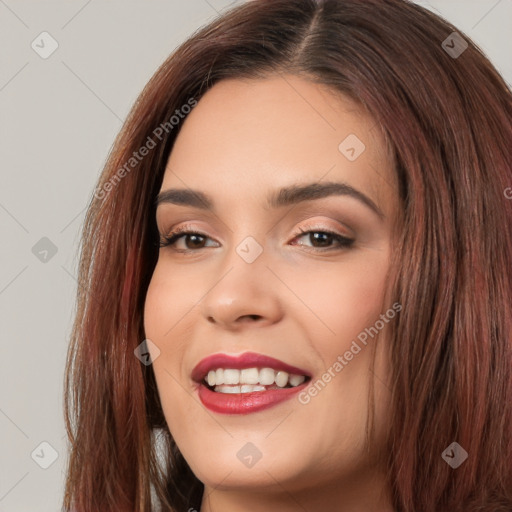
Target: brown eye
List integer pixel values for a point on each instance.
(196, 240)
(324, 239)
(320, 240)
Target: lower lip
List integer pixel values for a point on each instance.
(245, 403)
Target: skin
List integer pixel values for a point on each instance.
(300, 301)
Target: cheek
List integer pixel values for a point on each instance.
(166, 303)
(347, 300)
(343, 298)
(169, 299)
(153, 309)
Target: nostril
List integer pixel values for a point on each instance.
(250, 317)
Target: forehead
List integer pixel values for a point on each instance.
(256, 135)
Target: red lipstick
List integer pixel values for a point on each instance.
(244, 403)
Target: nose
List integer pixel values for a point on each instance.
(245, 295)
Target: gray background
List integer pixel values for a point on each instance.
(59, 117)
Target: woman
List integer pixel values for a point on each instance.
(296, 274)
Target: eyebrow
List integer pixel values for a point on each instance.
(283, 197)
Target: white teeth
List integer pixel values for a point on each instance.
(248, 380)
(296, 380)
(267, 376)
(281, 379)
(227, 389)
(247, 388)
(231, 376)
(249, 376)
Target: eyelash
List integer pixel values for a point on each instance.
(171, 239)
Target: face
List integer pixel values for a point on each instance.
(294, 276)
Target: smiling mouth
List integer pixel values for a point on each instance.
(251, 380)
(246, 383)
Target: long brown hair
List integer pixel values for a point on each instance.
(447, 117)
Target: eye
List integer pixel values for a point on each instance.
(325, 238)
(322, 239)
(194, 237)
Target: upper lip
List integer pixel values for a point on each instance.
(245, 360)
